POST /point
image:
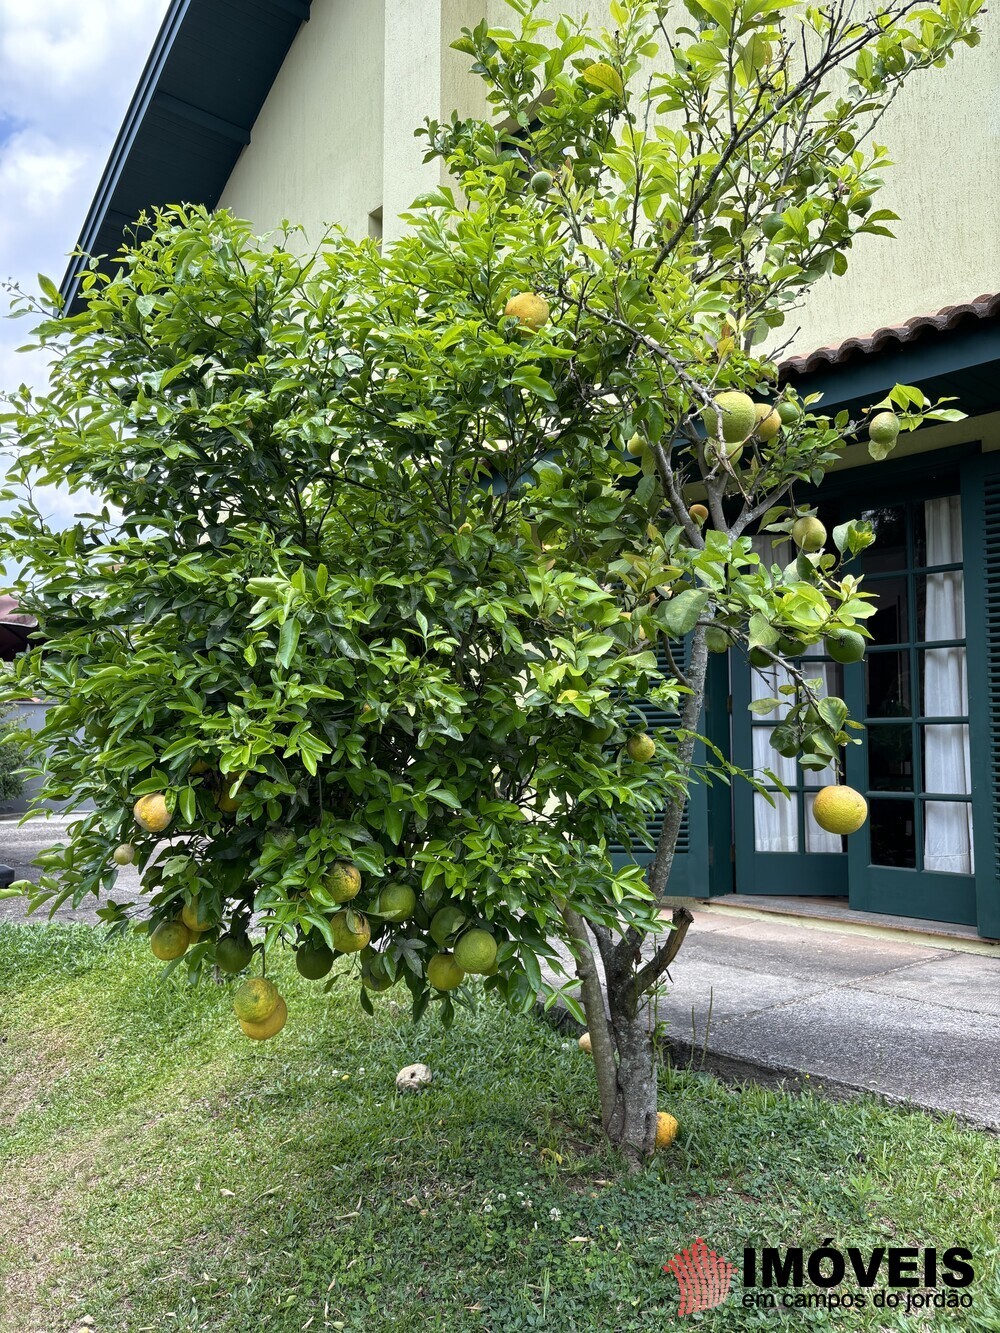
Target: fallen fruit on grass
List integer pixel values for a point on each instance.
(666, 1129)
(269, 1026)
(151, 812)
(839, 809)
(413, 1077)
(584, 1042)
(169, 940)
(255, 1000)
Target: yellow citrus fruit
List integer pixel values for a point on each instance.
(225, 800)
(768, 421)
(123, 855)
(840, 809)
(884, 428)
(346, 940)
(476, 951)
(267, 1027)
(197, 916)
(808, 534)
(735, 413)
(343, 882)
(169, 940)
(151, 812)
(666, 1129)
(444, 973)
(641, 747)
(699, 513)
(255, 1000)
(530, 311)
(584, 1043)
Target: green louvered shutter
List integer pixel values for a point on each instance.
(690, 873)
(981, 543)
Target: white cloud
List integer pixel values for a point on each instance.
(68, 69)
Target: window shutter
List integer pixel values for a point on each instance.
(689, 874)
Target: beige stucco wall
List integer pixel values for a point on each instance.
(335, 141)
(316, 150)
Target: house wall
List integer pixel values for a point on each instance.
(334, 142)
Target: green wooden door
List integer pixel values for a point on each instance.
(914, 856)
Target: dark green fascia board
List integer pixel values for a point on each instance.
(940, 365)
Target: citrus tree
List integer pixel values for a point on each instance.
(391, 543)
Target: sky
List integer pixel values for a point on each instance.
(68, 69)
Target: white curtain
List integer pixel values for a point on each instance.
(776, 828)
(947, 824)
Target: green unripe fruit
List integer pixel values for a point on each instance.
(444, 973)
(396, 903)
(641, 747)
(771, 225)
(233, 953)
(861, 205)
(845, 646)
(759, 658)
(884, 428)
(124, 854)
(375, 973)
(593, 490)
(313, 959)
(445, 923)
(541, 182)
(734, 412)
(636, 445)
(476, 951)
(598, 732)
(788, 412)
(717, 640)
(809, 534)
(789, 647)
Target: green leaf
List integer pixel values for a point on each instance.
(604, 78)
(288, 642)
(679, 614)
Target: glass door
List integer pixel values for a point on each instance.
(914, 857)
(779, 848)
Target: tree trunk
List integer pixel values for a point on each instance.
(633, 1120)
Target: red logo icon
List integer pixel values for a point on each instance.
(703, 1276)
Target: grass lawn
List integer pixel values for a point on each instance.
(160, 1172)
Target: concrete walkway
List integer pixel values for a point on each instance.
(780, 1001)
(912, 1021)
